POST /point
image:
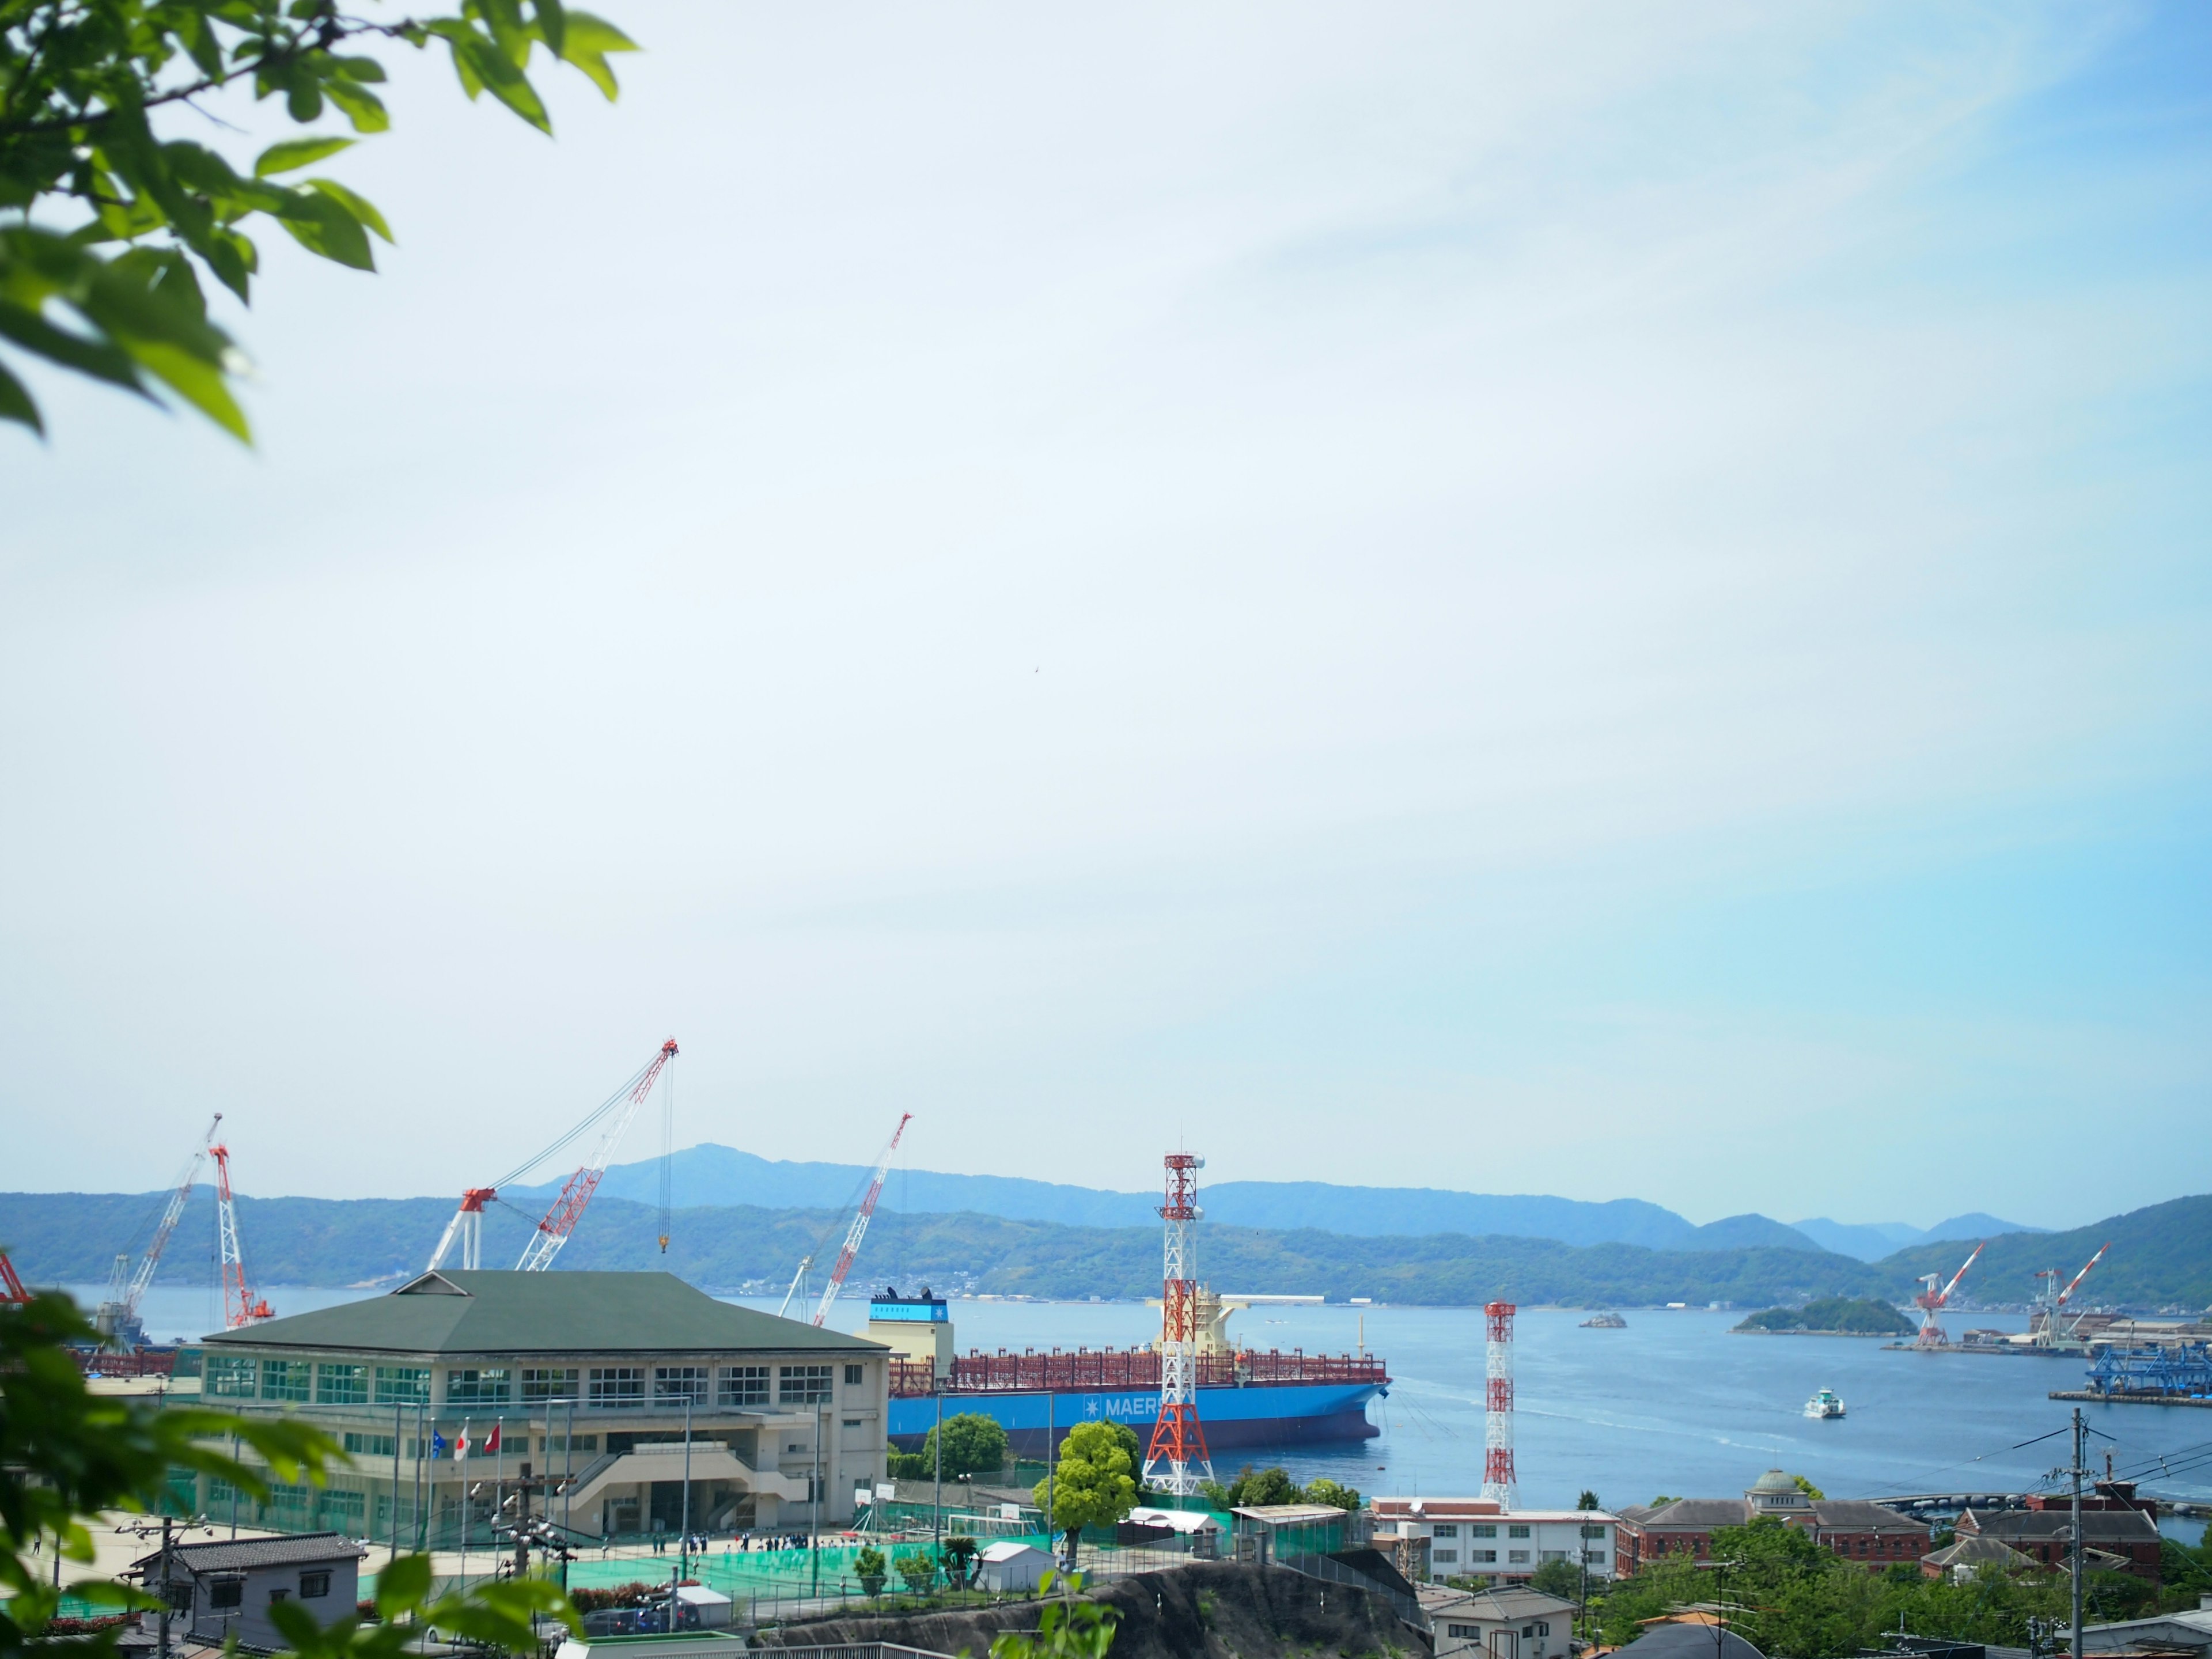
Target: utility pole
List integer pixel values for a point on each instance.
(821, 1420)
(1051, 1468)
(162, 1650)
(2079, 1431)
(683, 1552)
(936, 1497)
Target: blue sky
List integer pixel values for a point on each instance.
(1600, 602)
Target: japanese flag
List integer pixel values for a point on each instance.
(461, 1445)
(491, 1440)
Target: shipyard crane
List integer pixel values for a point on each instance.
(117, 1317)
(612, 1116)
(242, 1305)
(860, 1227)
(1932, 1300)
(2052, 1305)
(11, 1287)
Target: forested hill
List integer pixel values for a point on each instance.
(2162, 1258)
(69, 1236)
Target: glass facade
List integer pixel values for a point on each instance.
(285, 1379)
(341, 1385)
(485, 1387)
(402, 1385)
(230, 1377)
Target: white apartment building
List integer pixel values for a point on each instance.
(1439, 1538)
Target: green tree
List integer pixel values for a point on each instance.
(1252, 1487)
(959, 1552)
(121, 218)
(974, 1444)
(1561, 1578)
(1095, 1483)
(1066, 1629)
(1323, 1489)
(868, 1567)
(1588, 1500)
(917, 1568)
(1808, 1488)
(66, 1455)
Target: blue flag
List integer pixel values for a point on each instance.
(437, 1443)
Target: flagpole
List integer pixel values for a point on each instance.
(461, 1457)
(498, 1478)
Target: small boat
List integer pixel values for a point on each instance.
(1826, 1403)
(1607, 1321)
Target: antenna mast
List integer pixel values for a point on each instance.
(1498, 1473)
(1176, 1463)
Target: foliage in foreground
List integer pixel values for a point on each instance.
(1066, 1629)
(85, 86)
(67, 1455)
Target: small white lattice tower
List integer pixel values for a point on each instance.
(1176, 1461)
(1497, 1477)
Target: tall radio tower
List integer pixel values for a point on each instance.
(1176, 1461)
(1498, 1476)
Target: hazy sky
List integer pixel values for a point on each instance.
(1605, 600)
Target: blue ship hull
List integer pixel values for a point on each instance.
(1279, 1414)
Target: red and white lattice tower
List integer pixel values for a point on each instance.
(1498, 1476)
(1176, 1461)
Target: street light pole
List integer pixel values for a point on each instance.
(2076, 1529)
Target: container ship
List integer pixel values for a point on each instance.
(1246, 1397)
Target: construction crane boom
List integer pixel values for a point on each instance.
(241, 1305)
(2075, 1282)
(1945, 1295)
(466, 1228)
(568, 1209)
(1933, 1296)
(116, 1316)
(860, 1227)
(11, 1287)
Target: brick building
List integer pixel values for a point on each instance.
(2115, 1524)
(1867, 1533)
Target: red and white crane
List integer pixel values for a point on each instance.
(612, 1116)
(1931, 1300)
(858, 1230)
(2053, 1305)
(241, 1304)
(11, 1287)
(117, 1317)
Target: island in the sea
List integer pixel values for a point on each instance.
(1607, 1321)
(1834, 1315)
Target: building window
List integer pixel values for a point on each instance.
(1482, 1532)
(1465, 1632)
(284, 1379)
(314, 1586)
(1445, 1529)
(177, 1593)
(1516, 1532)
(476, 1387)
(1516, 1558)
(852, 1422)
(803, 1385)
(674, 1385)
(227, 1595)
(541, 1383)
(284, 1497)
(618, 1388)
(566, 1442)
(370, 1445)
(744, 1385)
(402, 1385)
(230, 1377)
(853, 1376)
(1552, 1555)
(1487, 1556)
(342, 1506)
(341, 1385)
(1593, 1531)
(1442, 1556)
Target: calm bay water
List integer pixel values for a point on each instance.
(1673, 1404)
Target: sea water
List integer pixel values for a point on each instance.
(1673, 1404)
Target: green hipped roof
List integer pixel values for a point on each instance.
(483, 1312)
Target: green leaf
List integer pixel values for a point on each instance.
(297, 152)
(586, 42)
(505, 82)
(17, 404)
(364, 109)
(304, 102)
(360, 206)
(321, 224)
(98, 358)
(233, 258)
(401, 1586)
(552, 23)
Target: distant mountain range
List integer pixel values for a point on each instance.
(2161, 1256)
(711, 1176)
(1871, 1241)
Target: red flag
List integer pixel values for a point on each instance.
(491, 1440)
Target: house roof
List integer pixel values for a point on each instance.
(2039, 1526)
(1691, 1641)
(1289, 1515)
(1829, 1514)
(1688, 1514)
(1859, 1515)
(1009, 1549)
(1974, 1552)
(1505, 1607)
(485, 1312)
(301, 1549)
(1436, 1508)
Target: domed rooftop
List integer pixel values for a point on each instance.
(1774, 1480)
